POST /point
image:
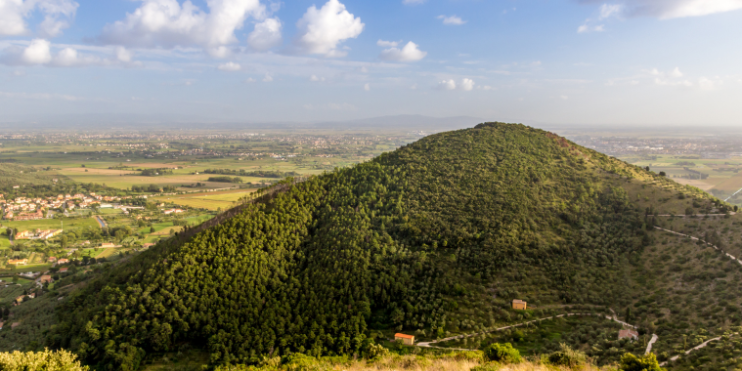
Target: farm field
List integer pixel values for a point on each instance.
(50, 224)
(207, 200)
(722, 176)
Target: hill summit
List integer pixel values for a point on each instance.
(434, 238)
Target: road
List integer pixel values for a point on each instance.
(463, 336)
(700, 346)
(698, 239)
(733, 194)
(651, 342)
(705, 343)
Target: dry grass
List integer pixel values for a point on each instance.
(464, 361)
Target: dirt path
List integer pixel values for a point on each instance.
(691, 350)
(651, 342)
(463, 336)
(705, 343)
(698, 239)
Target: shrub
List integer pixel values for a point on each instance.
(630, 362)
(567, 356)
(46, 360)
(504, 353)
(487, 367)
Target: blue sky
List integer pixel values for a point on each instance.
(633, 62)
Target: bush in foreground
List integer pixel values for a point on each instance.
(504, 353)
(630, 362)
(47, 360)
(567, 356)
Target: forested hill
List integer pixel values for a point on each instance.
(435, 237)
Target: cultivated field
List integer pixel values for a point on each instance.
(207, 200)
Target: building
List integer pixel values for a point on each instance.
(18, 261)
(38, 235)
(15, 324)
(628, 334)
(19, 299)
(519, 304)
(63, 270)
(107, 245)
(173, 211)
(46, 279)
(29, 216)
(52, 259)
(405, 339)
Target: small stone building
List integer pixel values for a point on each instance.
(405, 339)
(628, 334)
(519, 304)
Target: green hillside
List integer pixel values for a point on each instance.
(434, 239)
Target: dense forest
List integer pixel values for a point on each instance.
(435, 237)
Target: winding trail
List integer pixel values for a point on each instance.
(651, 342)
(705, 343)
(698, 239)
(689, 351)
(733, 194)
(463, 336)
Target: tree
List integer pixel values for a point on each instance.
(151, 229)
(662, 173)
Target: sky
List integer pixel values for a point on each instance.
(587, 62)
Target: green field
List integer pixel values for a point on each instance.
(207, 200)
(724, 177)
(51, 223)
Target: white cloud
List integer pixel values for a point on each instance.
(467, 84)
(410, 53)
(267, 34)
(610, 10)
(387, 44)
(668, 9)
(67, 57)
(250, 80)
(57, 16)
(268, 78)
(452, 20)
(586, 28)
(230, 67)
(321, 30)
(38, 52)
(167, 23)
(41, 52)
(607, 11)
(367, 87)
(314, 78)
(123, 55)
(447, 85)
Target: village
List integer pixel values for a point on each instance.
(22, 208)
